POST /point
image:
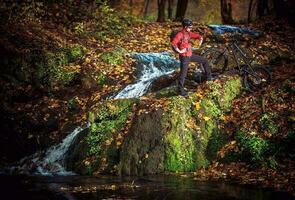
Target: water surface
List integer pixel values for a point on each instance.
(109, 187)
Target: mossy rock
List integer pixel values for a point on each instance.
(42, 66)
(97, 150)
(182, 136)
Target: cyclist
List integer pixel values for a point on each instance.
(181, 44)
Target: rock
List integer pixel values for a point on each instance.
(97, 149)
(181, 136)
(143, 148)
(163, 82)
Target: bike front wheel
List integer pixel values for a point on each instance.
(258, 79)
(217, 60)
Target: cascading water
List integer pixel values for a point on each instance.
(50, 162)
(152, 66)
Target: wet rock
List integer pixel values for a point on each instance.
(143, 149)
(164, 82)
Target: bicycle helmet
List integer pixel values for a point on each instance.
(187, 22)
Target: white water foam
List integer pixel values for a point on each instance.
(165, 65)
(50, 163)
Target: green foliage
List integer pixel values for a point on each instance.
(232, 89)
(267, 121)
(42, 66)
(51, 69)
(95, 139)
(115, 57)
(75, 52)
(211, 108)
(253, 147)
(101, 79)
(109, 22)
(272, 163)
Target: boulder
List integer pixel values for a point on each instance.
(127, 138)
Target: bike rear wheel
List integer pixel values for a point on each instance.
(258, 79)
(217, 60)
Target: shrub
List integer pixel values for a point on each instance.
(253, 148)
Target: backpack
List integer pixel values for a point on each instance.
(173, 35)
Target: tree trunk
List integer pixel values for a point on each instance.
(181, 9)
(161, 10)
(146, 8)
(250, 10)
(226, 11)
(170, 9)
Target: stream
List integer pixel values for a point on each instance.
(110, 187)
(43, 175)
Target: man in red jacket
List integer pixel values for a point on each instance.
(181, 44)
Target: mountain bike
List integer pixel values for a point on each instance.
(254, 76)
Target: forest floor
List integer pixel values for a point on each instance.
(25, 104)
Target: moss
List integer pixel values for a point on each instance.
(116, 57)
(101, 79)
(216, 102)
(44, 67)
(211, 108)
(190, 147)
(106, 120)
(224, 94)
(232, 89)
(180, 154)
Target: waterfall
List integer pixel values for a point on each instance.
(153, 65)
(51, 162)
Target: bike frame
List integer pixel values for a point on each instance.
(231, 51)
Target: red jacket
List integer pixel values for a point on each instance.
(183, 42)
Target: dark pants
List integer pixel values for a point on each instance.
(184, 64)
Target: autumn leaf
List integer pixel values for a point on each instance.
(206, 118)
(198, 105)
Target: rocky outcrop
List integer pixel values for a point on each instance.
(182, 135)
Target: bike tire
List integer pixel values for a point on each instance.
(217, 60)
(263, 78)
